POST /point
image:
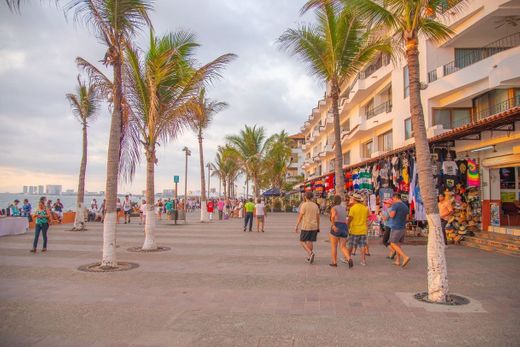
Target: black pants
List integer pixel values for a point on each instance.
(248, 220)
(443, 225)
(43, 229)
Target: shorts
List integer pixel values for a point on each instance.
(128, 212)
(308, 235)
(260, 218)
(358, 241)
(341, 230)
(396, 236)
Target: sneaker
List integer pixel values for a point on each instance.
(350, 263)
(44, 249)
(308, 260)
(311, 259)
(33, 250)
(363, 263)
(344, 261)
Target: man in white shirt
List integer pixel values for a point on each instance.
(261, 213)
(142, 213)
(127, 208)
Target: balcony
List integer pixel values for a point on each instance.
(366, 73)
(497, 108)
(475, 56)
(385, 107)
(328, 149)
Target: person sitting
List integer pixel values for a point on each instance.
(14, 209)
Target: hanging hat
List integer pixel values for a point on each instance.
(358, 197)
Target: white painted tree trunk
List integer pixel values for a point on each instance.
(203, 211)
(109, 240)
(437, 267)
(149, 229)
(79, 219)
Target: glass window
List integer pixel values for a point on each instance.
(451, 118)
(406, 81)
(408, 132)
(366, 149)
(385, 142)
(346, 158)
(346, 125)
(369, 109)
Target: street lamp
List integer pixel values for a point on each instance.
(188, 153)
(208, 165)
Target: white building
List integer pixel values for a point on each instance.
(53, 189)
(471, 102)
(295, 169)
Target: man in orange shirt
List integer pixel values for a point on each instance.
(446, 212)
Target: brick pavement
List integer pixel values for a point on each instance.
(219, 286)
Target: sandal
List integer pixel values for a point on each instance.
(33, 250)
(333, 265)
(406, 262)
(350, 263)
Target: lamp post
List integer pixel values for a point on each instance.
(208, 165)
(188, 153)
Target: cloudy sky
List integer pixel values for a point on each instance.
(40, 141)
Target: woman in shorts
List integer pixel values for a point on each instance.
(339, 232)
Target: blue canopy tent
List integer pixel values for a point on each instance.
(272, 192)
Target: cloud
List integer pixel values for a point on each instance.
(40, 139)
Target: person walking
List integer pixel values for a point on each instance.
(168, 206)
(159, 209)
(249, 208)
(398, 213)
(27, 210)
(358, 226)
(446, 211)
(142, 212)
(127, 209)
(261, 215)
(220, 207)
(309, 220)
(210, 206)
(43, 219)
(339, 233)
(386, 226)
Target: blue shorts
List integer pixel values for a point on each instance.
(341, 230)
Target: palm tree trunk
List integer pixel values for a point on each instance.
(203, 199)
(109, 259)
(225, 187)
(149, 224)
(338, 162)
(79, 219)
(255, 182)
(437, 268)
(247, 186)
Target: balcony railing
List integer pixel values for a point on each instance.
(384, 107)
(477, 55)
(497, 108)
(383, 61)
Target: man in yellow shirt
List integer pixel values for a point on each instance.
(249, 208)
(309, 219)
(358, 225)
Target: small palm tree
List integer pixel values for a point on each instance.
(203, 113)
(278, 158)
(114, 22)
(163, 92)
(409, 19)
(335, 49)
(250, 144)
(84, 105)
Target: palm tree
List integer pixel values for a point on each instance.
(335, 49)
(114, 22)
(84, 105)
(250, 144)
(409, 19)
(278, 158)
(162, 91)
(227, 168)
(203, 113)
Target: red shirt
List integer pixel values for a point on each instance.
(210, 206)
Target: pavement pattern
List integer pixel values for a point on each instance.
(220, 286)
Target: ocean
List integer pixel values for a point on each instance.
(68, 201)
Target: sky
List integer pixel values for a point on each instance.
(40, 140)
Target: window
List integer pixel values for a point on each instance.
(346, 158)
(366, 149)
(408, 132)
(346, 125)
(369, 109)
(451, 118)
(406, 81)
(384, 141)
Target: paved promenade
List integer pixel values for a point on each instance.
(219, 286)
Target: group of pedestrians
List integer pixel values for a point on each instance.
(350, 223)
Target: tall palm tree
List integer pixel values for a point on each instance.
(335, 48)
(84, 105)
(250, 145)
(227, 168)
(409, 19)
(163, 90)
(203, 113)
(114, 22)
(278, 158)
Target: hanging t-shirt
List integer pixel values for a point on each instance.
(462, 166)
(395, 171)
(384, 175)
(385, 193)
(473, 174)
(449, 175)
(355, 179)
(375, 177)
(365, 179)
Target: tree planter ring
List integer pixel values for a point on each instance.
(140, 250)
(452, 300)
(96, 267)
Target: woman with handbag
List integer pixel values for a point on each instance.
(339, 232)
